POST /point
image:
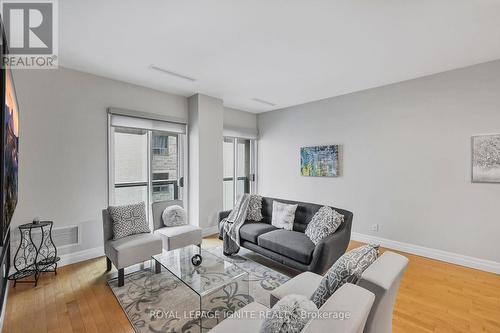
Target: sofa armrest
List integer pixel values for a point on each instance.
(330, 249)
(350, 300)
(223, 215)
(303, 284)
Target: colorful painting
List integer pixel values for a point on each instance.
(486, 158)
(319, 161)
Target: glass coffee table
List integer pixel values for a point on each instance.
(219, 287)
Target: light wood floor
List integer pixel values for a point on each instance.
(434, 297)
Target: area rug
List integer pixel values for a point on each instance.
(162, 303)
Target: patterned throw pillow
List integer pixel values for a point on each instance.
(173, 216)
(289, 315)
(348, 268)
(255, 208)
(128, 220)
(283, 215)
(324, 223)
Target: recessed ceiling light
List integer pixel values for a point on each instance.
(166, 71)
(258, 100)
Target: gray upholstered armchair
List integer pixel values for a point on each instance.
(127, 251)
(174, 237)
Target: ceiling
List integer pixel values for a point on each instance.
(286, 52)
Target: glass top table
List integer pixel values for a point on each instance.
(211, 282)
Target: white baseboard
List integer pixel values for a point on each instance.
(73, 258)
(450, 257)
(210, 230)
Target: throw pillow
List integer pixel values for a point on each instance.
(348, 268)
(174, 216)
(289, 315)
(128, 220)
(254, 212)
(283, 215)
(324, 223)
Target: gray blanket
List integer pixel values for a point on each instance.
(230, 226)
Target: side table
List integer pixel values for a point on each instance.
(32, 259)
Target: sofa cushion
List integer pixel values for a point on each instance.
(132, 249)
(251, 230)
(292, 244)
(180, 236)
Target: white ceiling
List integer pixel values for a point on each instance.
(287, 52)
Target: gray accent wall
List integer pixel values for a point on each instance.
(405, 164)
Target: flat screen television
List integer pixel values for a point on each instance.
(9, 162)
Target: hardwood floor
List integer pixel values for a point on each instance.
(434, 297)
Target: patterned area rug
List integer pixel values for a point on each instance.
(162, 303)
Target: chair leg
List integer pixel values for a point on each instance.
(157, 267)
(121, 277)
(108, 264)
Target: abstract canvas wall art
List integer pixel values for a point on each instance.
(486, 158)
(319, 161)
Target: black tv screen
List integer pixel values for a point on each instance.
(10, 148)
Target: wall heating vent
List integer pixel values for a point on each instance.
(66, 236)
(63, 236)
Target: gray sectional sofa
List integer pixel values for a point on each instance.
(293, 248)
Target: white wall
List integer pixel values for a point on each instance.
(406, 159)
(234, 118)
(63, 162)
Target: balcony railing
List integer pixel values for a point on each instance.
(244, 180)
(172, 184)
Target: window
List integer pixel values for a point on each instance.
(145, 164)
(161, 145)
(239, 169)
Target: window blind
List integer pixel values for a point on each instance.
(144, 121)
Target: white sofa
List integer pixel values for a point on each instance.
(370, 302)
(349, 298)
(382, 278)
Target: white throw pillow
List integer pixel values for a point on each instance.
(283, 215)
(174, 216)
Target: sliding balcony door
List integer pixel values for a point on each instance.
(131, 170)
(239, 169)
(145, 164)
